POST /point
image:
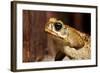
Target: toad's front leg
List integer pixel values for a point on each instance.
(59, 56)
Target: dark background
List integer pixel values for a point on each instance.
(35, 39)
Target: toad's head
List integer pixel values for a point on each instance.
(64, 33)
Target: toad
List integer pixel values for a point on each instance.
(68, 41)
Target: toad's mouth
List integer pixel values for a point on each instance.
(54, 33)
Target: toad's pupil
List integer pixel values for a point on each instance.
(57, 26)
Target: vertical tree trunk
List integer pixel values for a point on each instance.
(34, 36)
(26, 36)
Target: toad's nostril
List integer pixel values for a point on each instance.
(57, 26)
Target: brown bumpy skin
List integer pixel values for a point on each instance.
(68, 41)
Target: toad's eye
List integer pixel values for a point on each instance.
(57, 26)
